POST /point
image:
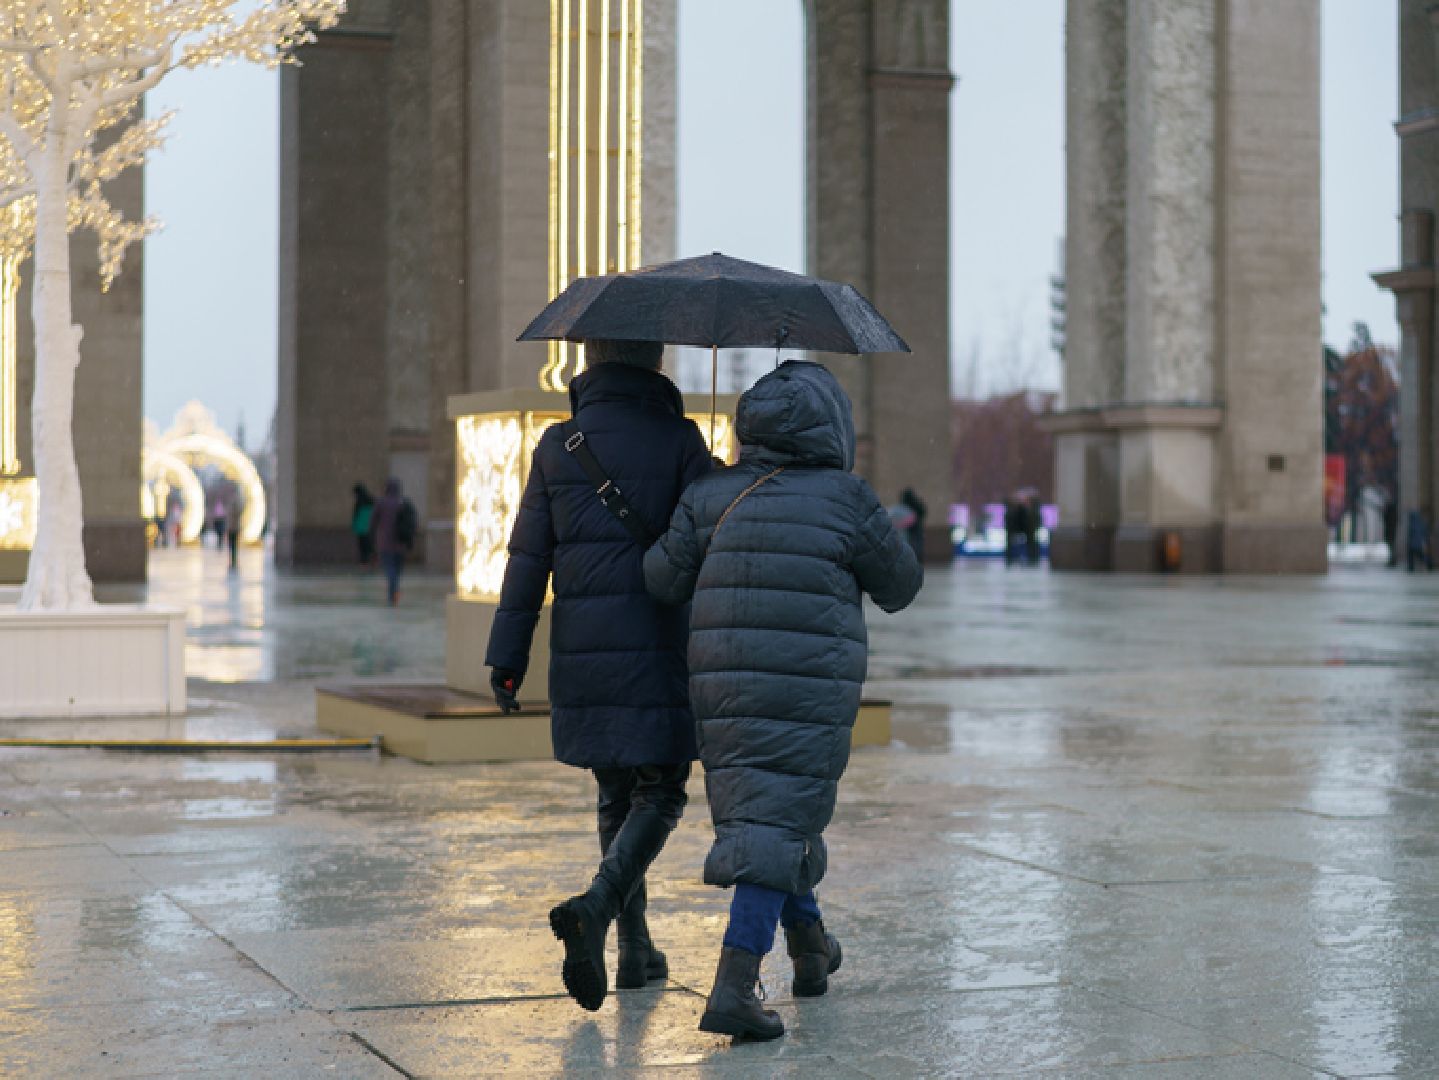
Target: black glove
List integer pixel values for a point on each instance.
(506, 684)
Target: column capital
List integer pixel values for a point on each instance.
(1406, 280)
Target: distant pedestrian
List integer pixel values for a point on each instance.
(234, 503)
(360, 519)
(1420, 548)
(393, 527)
(1391, 529)
(915, 532)
(174, 512)
(1016, 529)
(776, 553)
(217, 518)
(1032, 522)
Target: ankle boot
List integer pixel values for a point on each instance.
(816, 957)
(582, 924)
(640, 962)
(733, 1008)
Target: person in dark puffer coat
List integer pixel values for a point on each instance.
(776, 553)
(618, 679)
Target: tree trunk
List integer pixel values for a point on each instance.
(57, 579)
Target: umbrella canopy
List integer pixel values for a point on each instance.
(717, 302)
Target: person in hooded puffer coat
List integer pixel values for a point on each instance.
(619, 690)
(776, 553)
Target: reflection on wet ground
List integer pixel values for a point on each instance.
(1128, 828)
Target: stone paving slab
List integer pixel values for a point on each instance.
(1235, 1067)
(1387, 1029)
(183, 1038)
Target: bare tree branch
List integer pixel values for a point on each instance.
(125, 61)
(14, 195)
(137, 88)
(19, 139)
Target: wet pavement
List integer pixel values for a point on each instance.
(1130, 827)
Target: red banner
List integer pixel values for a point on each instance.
(1334, 488)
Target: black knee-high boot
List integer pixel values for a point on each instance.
(640, 962)
(583, 922)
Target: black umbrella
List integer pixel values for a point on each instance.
(720, 302)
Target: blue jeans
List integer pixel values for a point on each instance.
(393, 562)
(755, 910)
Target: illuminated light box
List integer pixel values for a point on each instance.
(496, 434)
(18, 495)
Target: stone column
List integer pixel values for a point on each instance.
(1414, 294)
(1415, 285)
(878, 176)
(408, 356)
(507, 179)
(1166, 463)
(910, 395)
(660, 180)
(1192, 379)
(449, 266)
(1271, 450)
(839, 173)
(1086, 452)
(332, 427)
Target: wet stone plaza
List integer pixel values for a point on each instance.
(1128, 827)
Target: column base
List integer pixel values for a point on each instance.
(1082, 547)
(938, 546)
(116, 552)
(329, 545)
(440, 547)
(1141, 548)
(1276, 549)
(316, 545)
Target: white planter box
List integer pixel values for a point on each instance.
(111, 660)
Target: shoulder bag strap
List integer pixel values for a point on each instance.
(738, 499)
(605, 488)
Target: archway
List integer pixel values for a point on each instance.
(193, 442)
(162, 472)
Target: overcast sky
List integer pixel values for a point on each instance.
(211, 275)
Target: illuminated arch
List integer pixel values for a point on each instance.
(201, 448)
(196, 440)
(161, 471)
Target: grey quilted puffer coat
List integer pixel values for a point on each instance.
(778, 647)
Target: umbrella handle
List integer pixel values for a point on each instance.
(714, 392)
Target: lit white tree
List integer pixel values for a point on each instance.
(70, 70)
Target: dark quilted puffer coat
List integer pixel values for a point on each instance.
(618, 681)
(778, 646)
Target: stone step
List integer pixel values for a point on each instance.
(438, 725)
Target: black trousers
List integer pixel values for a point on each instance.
(660, 788)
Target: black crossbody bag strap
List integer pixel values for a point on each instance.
(605, 488)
